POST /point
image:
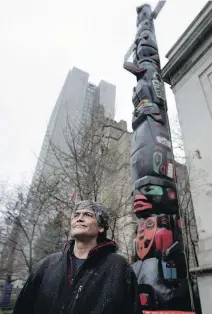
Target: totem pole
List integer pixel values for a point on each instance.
(161, 267)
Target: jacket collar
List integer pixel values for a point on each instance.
(107, 245)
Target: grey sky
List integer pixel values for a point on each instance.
(42, 40)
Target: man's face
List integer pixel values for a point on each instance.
(84, 224)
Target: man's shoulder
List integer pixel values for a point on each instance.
(49, 260)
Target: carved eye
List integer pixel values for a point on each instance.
(148, 189)
(149, 224)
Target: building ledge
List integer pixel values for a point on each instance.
(201, 269)
(180, 55)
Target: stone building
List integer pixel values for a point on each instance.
(120, 201)
(189, 72)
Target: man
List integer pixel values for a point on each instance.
(87, 277)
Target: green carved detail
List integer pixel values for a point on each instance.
(152, 190)
(155, 166)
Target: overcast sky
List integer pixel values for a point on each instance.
(42, 40)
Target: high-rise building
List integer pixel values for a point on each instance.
(76, 100)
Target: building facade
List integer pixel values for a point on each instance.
(117, 185)
(77, 99)
(189, 72)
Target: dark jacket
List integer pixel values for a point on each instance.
(104, 284)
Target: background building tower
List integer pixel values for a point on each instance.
(75, 102)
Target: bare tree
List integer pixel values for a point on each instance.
(92, 162)
(189, 228)
(183, 171)
(51, 239)
(80, 162)
(24, 212)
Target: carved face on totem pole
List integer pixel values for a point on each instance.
(163, 221)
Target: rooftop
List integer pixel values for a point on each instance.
(183, 51)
